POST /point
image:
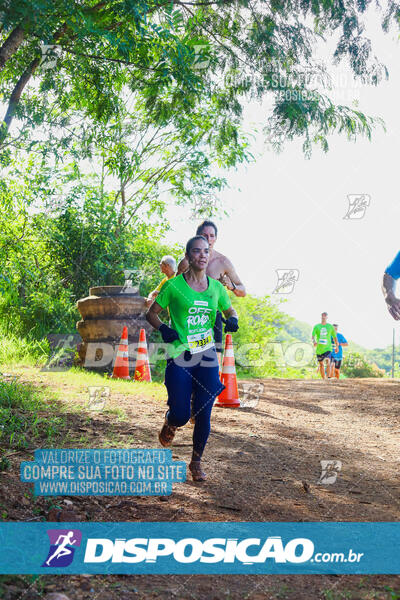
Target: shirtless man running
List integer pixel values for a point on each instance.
(220, 268)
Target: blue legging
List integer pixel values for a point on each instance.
(196, 374)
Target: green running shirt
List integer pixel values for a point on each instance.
(192, 313)
(324, 335)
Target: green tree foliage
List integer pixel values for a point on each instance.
(260, 322)
(110, 106)
(176, 54)
(50, 257)
(107, 48)
(298, 330)
(382, 357)
(144, 164)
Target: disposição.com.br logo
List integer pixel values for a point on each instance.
(63, 543)
(188, 550)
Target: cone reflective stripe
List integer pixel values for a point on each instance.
(229, 397)
(220, 363)
(121, 365)
(142, 367)
(229, 370)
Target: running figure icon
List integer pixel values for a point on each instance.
(62, 549)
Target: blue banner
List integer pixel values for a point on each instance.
(208, 548)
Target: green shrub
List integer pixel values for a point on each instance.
(356, 365)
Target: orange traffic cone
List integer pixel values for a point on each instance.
(229, 397)
(142, 367)
(121, 365)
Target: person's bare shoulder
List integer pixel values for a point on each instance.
(219, 263)
(225, 261)
(220, 258)
(217, 255)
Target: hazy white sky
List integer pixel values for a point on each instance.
(286, 212)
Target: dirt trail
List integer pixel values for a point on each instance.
(260, 461)
(263, 464)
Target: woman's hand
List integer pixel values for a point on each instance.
(231, 324)
(168, 334)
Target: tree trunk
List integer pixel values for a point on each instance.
(19, 88)
(15, 97)
(11, 45)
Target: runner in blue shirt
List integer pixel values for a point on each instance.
(337, 357)
(391, 275)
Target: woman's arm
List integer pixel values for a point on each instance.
(231, 323)
(167, 333)
(230, 312)
(152, 315)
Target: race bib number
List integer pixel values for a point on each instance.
(323, 336)
(198, 342)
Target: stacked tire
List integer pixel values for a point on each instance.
(104, 314)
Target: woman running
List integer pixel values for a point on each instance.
(193, 299)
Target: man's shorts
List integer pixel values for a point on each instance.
(218, 332)
(337, 362)
(323, 356)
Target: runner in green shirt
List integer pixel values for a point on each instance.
(192, 313)
(322, 335)
(193, 299)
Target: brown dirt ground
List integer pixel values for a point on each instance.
(263, 464)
